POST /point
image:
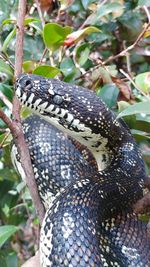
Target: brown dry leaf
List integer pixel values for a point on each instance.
(48, 5)
(147, 33)
(125, 89)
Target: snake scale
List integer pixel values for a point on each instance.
(90, 221)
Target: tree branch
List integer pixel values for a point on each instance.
(20, 141)
(8, 122)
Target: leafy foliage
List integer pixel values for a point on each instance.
(79, 44)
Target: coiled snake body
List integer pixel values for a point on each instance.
(90, 222)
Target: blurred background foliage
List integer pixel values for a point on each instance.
(76, 41)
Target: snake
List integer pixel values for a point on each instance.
(89, 220)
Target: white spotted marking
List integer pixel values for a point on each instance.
(50, 90)
(23, 98)
(44, 105)
(18, 92)
(50, 108)
(56, 111)
(70, 117)
(75, 122)
(63, 113)
(37, 102)
(30, 99)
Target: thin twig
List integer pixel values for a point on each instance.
(125, 51)
(8, 122)
(40, 12)
(43, 55)
(87, 21)
(5, 100)
(147, 12)
(43, 24)
(2, 130)
(122, 53)
(127, 58)
(51, 58)
(4, 139)
(135, 85)
(6, 59)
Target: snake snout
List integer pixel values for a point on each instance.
(24, 82)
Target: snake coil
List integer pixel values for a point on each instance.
(89, 221)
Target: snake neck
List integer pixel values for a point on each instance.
(96, 143)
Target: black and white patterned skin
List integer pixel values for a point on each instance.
(56, 161)
(91, 222)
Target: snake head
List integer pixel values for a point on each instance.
(68, 104)
(39, 93)
(73, 109)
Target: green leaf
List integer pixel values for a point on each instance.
(142, 126)
(68, 69)
(104, 10)
(76, 36)
(109, 94)
(123, 105)
(6, 231)
(5, 68)
(109, 8)
(29, 20)
(104, 74)
(144, 3)
(8, 39)
(29, 66)
(142, 107)
(131, 26)
(8, 21)
(82, 53)
(54, 35)
(33, 22)
(46, 71)
(3, 260)
(143, 81)
(12, 259)
(85, 3)
(140, 135)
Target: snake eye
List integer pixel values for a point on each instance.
(57, 99)
(28, 84)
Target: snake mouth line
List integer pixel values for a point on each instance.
(45, 109)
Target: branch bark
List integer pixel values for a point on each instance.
(20, 141)
(15, 125)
